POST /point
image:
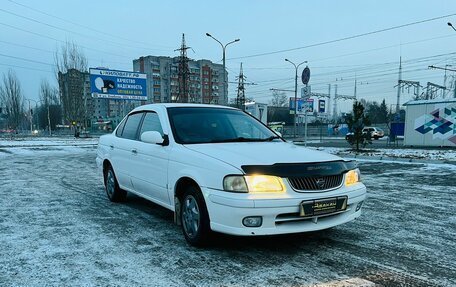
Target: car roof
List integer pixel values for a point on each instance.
(179, 105)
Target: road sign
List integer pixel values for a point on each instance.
(306, 91)
(121, 85)
(305, 75)
(321, 106)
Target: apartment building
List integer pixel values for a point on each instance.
(205, 82)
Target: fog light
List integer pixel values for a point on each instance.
(358, 207)
(252, 221)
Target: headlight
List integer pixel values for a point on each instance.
(253, 183)
(235, 183)
(353, 176)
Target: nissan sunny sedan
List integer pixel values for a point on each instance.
(221, 170)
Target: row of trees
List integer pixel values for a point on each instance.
(17, 111)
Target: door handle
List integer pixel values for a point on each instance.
(134, 151)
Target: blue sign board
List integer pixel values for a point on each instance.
(321, 106)
(292, 105)
(120, 85)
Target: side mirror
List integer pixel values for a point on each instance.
(152, 137)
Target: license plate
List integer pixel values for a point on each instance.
(324, 206)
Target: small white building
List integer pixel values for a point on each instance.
(430, 123)
(258, 110)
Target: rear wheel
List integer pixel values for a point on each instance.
(194, 217)
(114, 192)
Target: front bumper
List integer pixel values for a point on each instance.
(280, 213)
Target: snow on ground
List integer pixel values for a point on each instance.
(34, 146)
(59, 229)
(414, 154)
(46, 141)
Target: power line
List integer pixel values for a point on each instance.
(69, 31)
(345, 38)
(82, 26)
(28, 60)
(53, 52)
(61, 41)
(26, 68)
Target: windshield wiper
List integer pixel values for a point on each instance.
(238, 139)
(271, 138)
(243, 139)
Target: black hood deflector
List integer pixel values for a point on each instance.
(301, 169)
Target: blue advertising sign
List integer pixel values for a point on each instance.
(321, 106)
(292, 105)
(120, 85)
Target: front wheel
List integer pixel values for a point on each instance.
(114, 192)
(194, 217)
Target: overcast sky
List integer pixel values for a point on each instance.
(113, 33)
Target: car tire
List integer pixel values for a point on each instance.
(194, 217)
(113, 191)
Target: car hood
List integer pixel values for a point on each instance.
(261, 153)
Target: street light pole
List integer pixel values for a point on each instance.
(225, 88)
(296, 93)
(31, 115)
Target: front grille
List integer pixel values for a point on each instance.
(316, 183)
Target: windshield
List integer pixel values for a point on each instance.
(215, 125)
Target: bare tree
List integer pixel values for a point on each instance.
(48, 96)
(71, 66)
(279, 99)
(12, 97)
(70, 56)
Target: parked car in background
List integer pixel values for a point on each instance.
(220, 169)
(374, 133)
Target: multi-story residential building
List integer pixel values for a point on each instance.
(205, 81)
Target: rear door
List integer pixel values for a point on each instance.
(150, 176)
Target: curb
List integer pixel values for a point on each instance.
(397, 159)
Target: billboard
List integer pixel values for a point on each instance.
(303, 104)
(321, 106)
(292, 105)
(119, 85)
(309, 105)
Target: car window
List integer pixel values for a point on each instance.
(216, 125)
(120, 128)
(151, 122)
(243, 128)
(131, 126)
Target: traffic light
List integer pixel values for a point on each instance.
(31, 111)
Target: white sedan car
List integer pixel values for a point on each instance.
(220, 169)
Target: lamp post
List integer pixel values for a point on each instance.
(296, 92)
(451, 25)
(31, 114)
(224, 69)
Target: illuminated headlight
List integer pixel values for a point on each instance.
(253, 183)
(353, 176)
